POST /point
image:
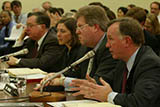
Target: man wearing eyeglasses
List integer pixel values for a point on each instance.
(91, 31)
(43, 47)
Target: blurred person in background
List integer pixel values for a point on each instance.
(155, 9)
(111, 15)
(139, 14)
(54, 16)
(6, 19)
(18, 16)
(152, 24)
(6, 5)
(121, 11)
(46, 5)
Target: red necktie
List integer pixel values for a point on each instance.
(35, 50)
(124, 79)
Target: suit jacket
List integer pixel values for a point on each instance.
(68, 58)
(143, 84)
(103, 62)
(48, 55)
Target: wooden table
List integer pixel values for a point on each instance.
(4, 97)
(35, 96)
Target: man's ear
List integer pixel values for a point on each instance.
(96, 27)
(128, 41)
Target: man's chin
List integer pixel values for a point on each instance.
(114, 56)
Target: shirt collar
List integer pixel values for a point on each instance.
(41, 40)
(98, 44)
(131, 61)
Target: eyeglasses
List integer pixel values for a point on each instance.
(81, 27)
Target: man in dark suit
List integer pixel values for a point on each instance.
(135, 82)
(91, 32)
(48, 52)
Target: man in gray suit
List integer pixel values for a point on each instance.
(48, 52)
(136, 80)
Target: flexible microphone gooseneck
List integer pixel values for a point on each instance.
(89, 55)
(21, 52)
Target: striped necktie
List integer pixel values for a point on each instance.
(35, 50)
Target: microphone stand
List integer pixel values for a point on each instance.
(54, 76)
(86, 56)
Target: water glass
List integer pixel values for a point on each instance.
(4, 79)
(21, 84)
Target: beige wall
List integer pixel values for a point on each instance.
(71, 4)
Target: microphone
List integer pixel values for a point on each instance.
(85, 57)
(21, 52)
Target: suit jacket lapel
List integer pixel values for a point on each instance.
(42, 45)
(131, 78)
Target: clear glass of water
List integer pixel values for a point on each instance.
(21, 84)
(4, 79)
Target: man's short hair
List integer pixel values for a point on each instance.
(16, 3)
(54, 10)
(137, 13)
(93, 15)
(130, 27)
(41, 18)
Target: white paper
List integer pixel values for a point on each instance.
(82, 103)
(24, 71)
(33, 76)
(63, 103)
(15, 33)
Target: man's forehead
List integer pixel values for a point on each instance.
(155, 5)
(112, 28)
(31, 19)
(81, 20)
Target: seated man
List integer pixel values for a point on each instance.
(48, 52)
(91, 32)
(136, 80)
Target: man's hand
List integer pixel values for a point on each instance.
(12, 61)
(55, 82)
(91, 90)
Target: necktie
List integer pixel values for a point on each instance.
(124, 79)
(16, 19)
(35, 50)
(6, 32)
(90, 66)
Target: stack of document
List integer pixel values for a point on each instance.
(29, 74)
